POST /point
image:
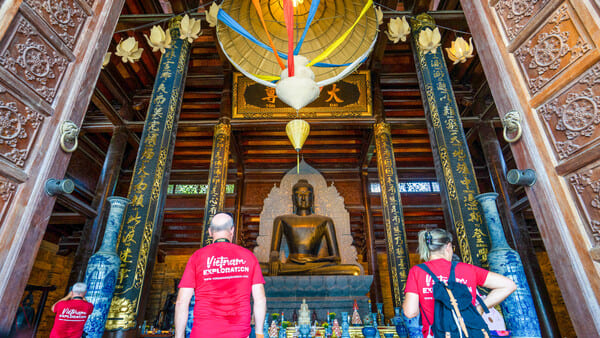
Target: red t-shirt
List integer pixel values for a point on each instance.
(222, 275)
(70, 318)
(420, 282)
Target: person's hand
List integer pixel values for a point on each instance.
(259, 335)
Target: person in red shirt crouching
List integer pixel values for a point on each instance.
(71, 313)
(222, 276)
(435, 247)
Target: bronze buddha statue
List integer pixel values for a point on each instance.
(306, 234)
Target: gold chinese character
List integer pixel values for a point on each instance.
(138, 201)
(126, 255)
(271, 95)
(333, 95)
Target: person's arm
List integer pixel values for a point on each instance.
(411, 305)
(67, 297)
(260, 308)
(181, 310)
(501, 287)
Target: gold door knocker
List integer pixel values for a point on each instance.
(68, 134)
(512, 124)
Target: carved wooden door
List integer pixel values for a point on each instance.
(50, 55)
(542, 58)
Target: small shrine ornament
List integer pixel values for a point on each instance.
(355, 316)
(337, 330)
(273, 330)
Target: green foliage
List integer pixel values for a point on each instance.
(285, 324)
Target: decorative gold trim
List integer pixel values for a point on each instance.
(422, 21)
(121, 314)
(362, 108)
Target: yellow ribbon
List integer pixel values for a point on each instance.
(339, 41)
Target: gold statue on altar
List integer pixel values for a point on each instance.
(311, 240)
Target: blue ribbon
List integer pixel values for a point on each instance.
(311, 15)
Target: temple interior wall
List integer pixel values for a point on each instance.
(49, 269)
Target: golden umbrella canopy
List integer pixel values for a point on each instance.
(331, 21)
(297, 131)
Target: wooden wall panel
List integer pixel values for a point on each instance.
(256, 192)
(553, 49)
(585, 186)
(515, 15)
(7, 191)
(20, 127)
(571, 117)
(30, 57)
(66, 18)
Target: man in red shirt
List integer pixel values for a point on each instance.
(71, 313)
(222, 276)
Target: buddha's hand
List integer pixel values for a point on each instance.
(274, 263)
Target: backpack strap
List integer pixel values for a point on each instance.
(451, 276)
(480, 301)
(425, 268)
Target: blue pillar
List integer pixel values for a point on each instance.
(518, 308)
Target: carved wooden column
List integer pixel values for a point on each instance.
(94, 228)
(453, 166)
(372, 263)
(138, 241)
(397, 249)
(217, 175)
(516, 229)
(48, 70)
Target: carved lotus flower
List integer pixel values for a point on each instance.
(159, 39)
(379, 15)
(398, 29)
(128, 50)
(460, 51)
(106, 59)
(429, 39)
(189, 29)
(211, 16)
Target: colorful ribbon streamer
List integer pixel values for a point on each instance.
(236, 27)
(311, 15)
(339, 41)
(262, 20)
(288, 15)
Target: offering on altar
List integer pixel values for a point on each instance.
(336, 329)
(355, 316)
(304, 318)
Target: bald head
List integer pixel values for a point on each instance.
(221, 222)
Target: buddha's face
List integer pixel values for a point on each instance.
(303, 197)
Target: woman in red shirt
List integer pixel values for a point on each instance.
(435, 247)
